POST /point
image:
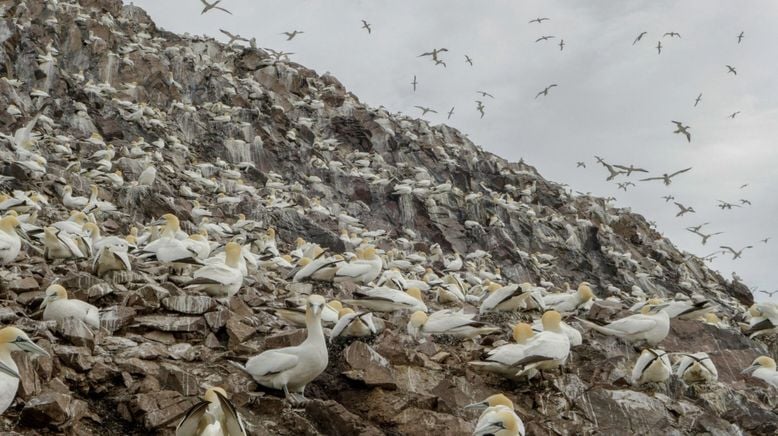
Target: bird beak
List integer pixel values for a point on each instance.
(44, 302)
(29, 346)
(477, 406)
(749, 370)
(4, 369)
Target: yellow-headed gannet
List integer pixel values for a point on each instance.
(10, 243)
(214, 416)
(59, 245)
(352, 324)
(57, 307)
(509, 298)
(653, 366)
(490, 422)
(321, 269)
(366, 268)
(764, 319)
(569, 302)
(12, 339)
(296, 315)
(292, 368)
(763, 368)
(72, 202)
(573, 335)
(651, 325)
(220, 279)
(170, 247)
(385, 299)
(697, 368)
(447, 322)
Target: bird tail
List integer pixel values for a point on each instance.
(602, 329)
(237, 365)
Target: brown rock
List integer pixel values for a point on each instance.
(116, 318)
(50, 408)
(218, 318)
(158, 409)
(77, 333)
(174, 377)
(171, 323)
(23, 284)
(419, 422)
(239, 332)
(78, 358)
(331, 418)
(368, 366)
(286, 339)
(188, 304)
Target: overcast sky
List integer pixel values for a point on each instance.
(614, 99)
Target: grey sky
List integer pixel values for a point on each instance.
(614, 99)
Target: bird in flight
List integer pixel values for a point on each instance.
(731, 69)
(684, 210)
(278, 55)
(630, 169)
(623, 186)
(659, 47)
(736, 254)
(539, 20)
(424, 110)
(561, 44)
(414, 83)
(769, 293)
(673, 34)
(440, 62)
(292, 34)
(665, 177)
(485, 94)
(668, 198)
(765, 240)
(232, 37)
(480, 107)
(695, 229)
(744, 185)
(697, 100)
(451, 112)
(434, 53)
(544, 92)
(724, 205)
(684, 130)
(469, 60)
(544, 38)
(209, 6)
(734, 114)
(366, 26)
(580, 165)
(743, 201)
(640, 36)
(740, 37)
(704, 236)
(613, 172)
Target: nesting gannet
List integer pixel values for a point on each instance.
(491, 423)
(569, 302)
(220, 279)
(72, 202)
(383, 299)
(296, 315)
(57, 307)
(763, 368)
(10, 243)
(366, 268)
(509, 298)
(573, 335)
(214, 416)
(697, 368)
(12, 339)
(59, 245)
(98, 205)
(447, 322)
(653, 366)
(352, 324)
(292, 368)
(169, 248)
(652, 324)
(111, 255)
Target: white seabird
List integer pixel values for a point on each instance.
(569, 302)
(653, 366)
(651, 325)
(220, 279)
(763, 368)
(509, 298)
(366, 268)
(447, 322)
(291, 368)
(58, 307)
(12, 339)
(491, 422)
(385, 299)
(214, 416)
(697, 368)
(10, 243)
(352, 324)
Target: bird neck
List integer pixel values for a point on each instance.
(313, 325)
(5, 357)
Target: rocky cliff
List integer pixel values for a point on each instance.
(305, 156)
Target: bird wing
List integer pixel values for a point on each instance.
(216, 273)
(191, 421)
(353, 269)
(651, 178)
(633, 324)
(271, 362)
(222, 9)
(441, 323)
(679, 172)
(341, 325)
(231, 419)
(545, 346)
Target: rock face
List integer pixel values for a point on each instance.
(304, 156)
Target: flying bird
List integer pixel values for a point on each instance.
(684, 210)
(480, 107)
(451, 112)
(697, 100)
(440, 62)
(668, 198)
(613, 172)
(659, 47)
(292, 34)
(485, 94)
(469, 60)
(743, 201)
(366, 26)
(209, 6)
(623, 186)
(561, 45)
(434, 53)
(640, 36)
(740, 37)
(769, 293)
(630, 169)
(735, 253)
(580, 165)
(544, 92)
(424, 110)
(743, 186)
(704, 236)
(684, 130)
(765, 240)
(539, 20)
(665, 177)
(695, 229)
(724, 205)
(734, 114)
(232, 37)
(672, 34)
(731, 69)
(544, 38)
(414, 83)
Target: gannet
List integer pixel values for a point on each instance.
(292, 368)
(98, 205)
(447, 322)
(731, 69)
(545, 90)
(383, 299)
(169, 248)
(57, 307)
(208, 6)
(220, 279)
(763, 368)
(296, 315)
(10, 243)
(569, 302)
(573, 335)
(366, 268)
(111, 255)
(697, 368)
(292, 34)
(653, 366)
(12, 339)
(683, 130)
(59, 245)
(71, 202)
(509, 298)
(639, 37)
(214, 416)
(352, 324)
(740, 37)
(651, 325)
(666, 178)
(147, 176)
(491, 422)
